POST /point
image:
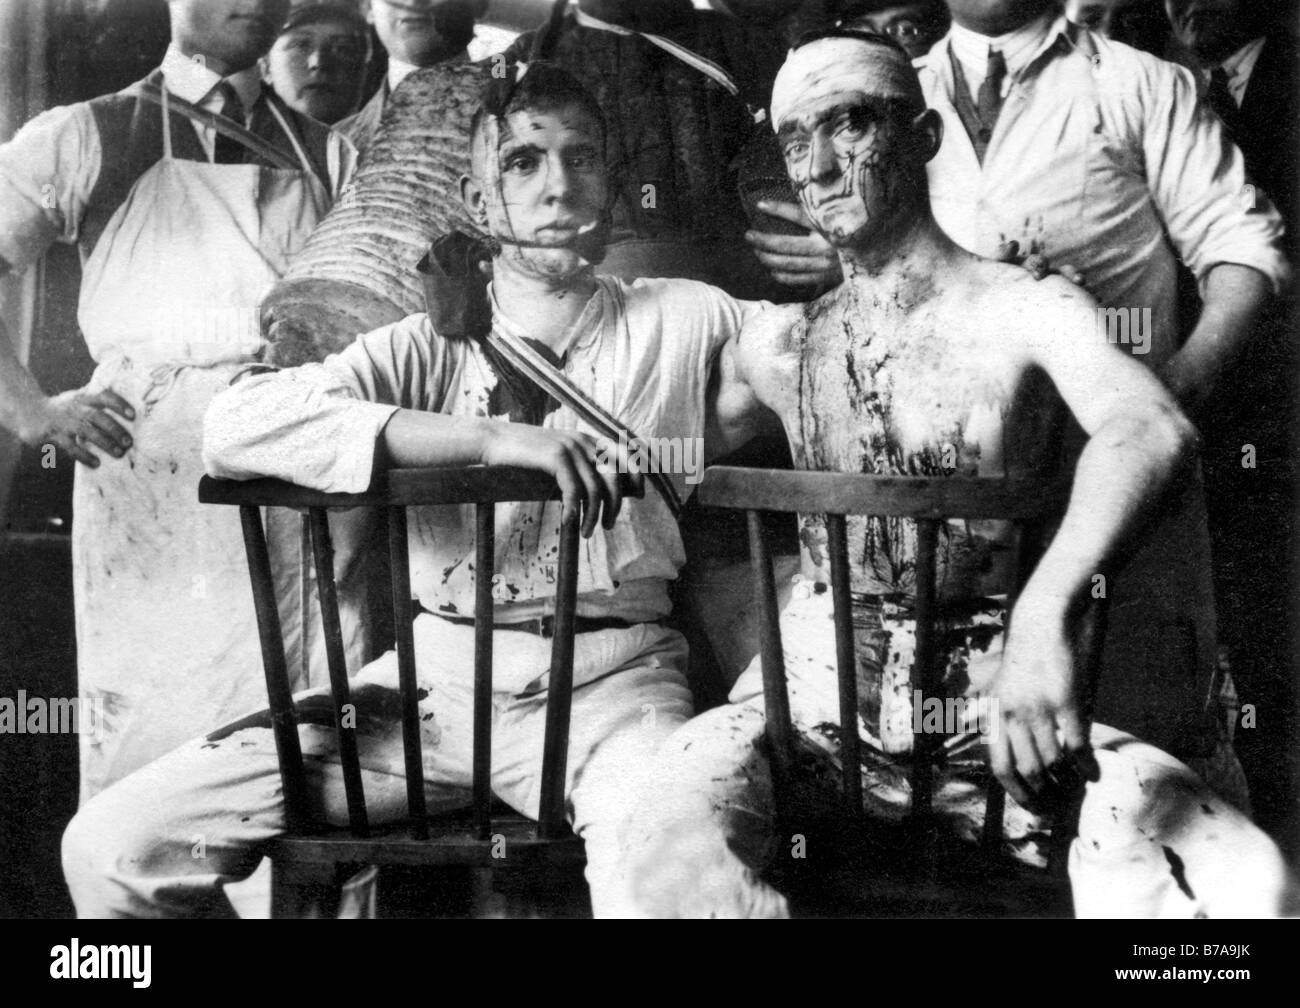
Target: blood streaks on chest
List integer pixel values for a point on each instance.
(877, 393)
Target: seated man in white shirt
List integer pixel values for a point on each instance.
(404, 396)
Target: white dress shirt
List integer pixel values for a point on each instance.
(1102, 159)
(1239, 67)
(1017, 47)
(191, 79)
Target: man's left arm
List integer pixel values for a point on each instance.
(1224, 228)
(1138, 442)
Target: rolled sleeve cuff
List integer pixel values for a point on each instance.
(1270, 262)
(358, 432)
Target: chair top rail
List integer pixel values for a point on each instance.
(396, 488)
(919, 497)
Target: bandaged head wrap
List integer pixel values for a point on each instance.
(835, 65)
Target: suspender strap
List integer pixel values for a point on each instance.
(226, 127)
(536, 368)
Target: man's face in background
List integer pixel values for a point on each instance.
(1212, 30)
(319, 67)
(914, 26)
(424, 32)
(230, 35)
(1139, 23)
(997, 17)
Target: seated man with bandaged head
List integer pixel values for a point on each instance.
(931, 361)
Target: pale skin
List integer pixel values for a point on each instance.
(1234, 296)
(955, 347)
(230, 36)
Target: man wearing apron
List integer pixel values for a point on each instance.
(184, 220)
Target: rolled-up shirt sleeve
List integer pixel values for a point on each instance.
(318, 425)
(1197, 177)
(47, 173)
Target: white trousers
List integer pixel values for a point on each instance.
(1154, 840)
(165, 840)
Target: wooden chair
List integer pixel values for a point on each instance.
(309, 861)
(1032, 506)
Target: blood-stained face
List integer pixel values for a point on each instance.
(540, 189)
(840, 151)
(849, 114)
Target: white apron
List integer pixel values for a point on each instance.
(166, 635)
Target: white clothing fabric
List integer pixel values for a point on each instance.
(1017, 48)
(641, 350)
(702, 836)
(1101, 151)
(189, 78)
(166, 639)
(1239, 67)
(48, 173)
(130, 851)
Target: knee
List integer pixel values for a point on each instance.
(105, 837)
(1179, 847)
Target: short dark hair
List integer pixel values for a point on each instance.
(542, 87)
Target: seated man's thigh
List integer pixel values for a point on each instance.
(703, 825)
(1156, 841)
(617, 725)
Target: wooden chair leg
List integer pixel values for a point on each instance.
(301, 891)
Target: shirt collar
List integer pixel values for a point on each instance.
(1018, 48)
(579, 337)
(1244, 59)
(192, 80)
(398, 71)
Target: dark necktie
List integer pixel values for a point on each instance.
(227, 149)
(988, 103)
(1219, 97)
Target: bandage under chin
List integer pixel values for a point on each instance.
(839, 65)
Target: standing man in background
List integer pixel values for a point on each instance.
(1249, 67)
(186, 193)
(318, 63)
(416, 34)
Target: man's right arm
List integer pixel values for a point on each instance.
(377, 404)
(47, 173)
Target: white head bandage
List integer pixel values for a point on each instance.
(836, 65)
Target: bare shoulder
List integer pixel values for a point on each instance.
(768, 336)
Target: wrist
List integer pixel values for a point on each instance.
(485, 435)
(1043, 606)
(30, 420)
